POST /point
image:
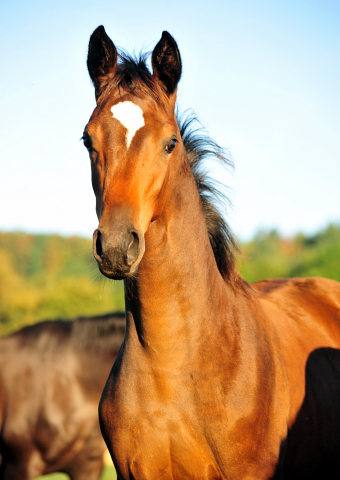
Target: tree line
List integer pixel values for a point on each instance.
(50, 276)
(270, 255)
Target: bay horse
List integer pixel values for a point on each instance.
(51, 378)
(216, 379)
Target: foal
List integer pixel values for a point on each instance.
(215, 379)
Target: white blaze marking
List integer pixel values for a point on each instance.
(130, 116)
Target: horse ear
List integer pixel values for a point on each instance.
(101, 59)
(166, 63)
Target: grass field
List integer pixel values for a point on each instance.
(109, 473)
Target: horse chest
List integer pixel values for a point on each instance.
(152, 438)
(153, 447)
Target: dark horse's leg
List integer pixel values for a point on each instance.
(26, 466)
(88, 464)
(88, 469)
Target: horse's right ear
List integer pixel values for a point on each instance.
(101, 59)
(166, 63)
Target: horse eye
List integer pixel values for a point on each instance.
(171, 145)
(87, 141)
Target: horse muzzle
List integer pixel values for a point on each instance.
(118, 253)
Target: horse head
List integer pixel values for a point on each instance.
(132, 137)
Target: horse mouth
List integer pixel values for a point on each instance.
(114, 275)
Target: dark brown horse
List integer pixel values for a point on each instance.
(51, 377)
(216, 379)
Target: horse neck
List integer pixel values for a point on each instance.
(179, 288)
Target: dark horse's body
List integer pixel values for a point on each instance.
(51, 378)
(216, 379)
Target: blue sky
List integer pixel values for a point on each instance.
(262, 76)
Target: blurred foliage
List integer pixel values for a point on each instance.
(269, 255)
(48, 277)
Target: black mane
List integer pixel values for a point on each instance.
(99, 333)
(199, 147)
(133, 75)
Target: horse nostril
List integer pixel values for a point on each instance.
(99, 248)
(133, 248)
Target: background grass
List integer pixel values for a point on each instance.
(109, 473)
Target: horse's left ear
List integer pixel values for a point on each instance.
(166, 63)
(101, 59)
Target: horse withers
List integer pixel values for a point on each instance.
(216, 379)
(51, 378)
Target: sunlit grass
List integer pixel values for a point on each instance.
(109, 473)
